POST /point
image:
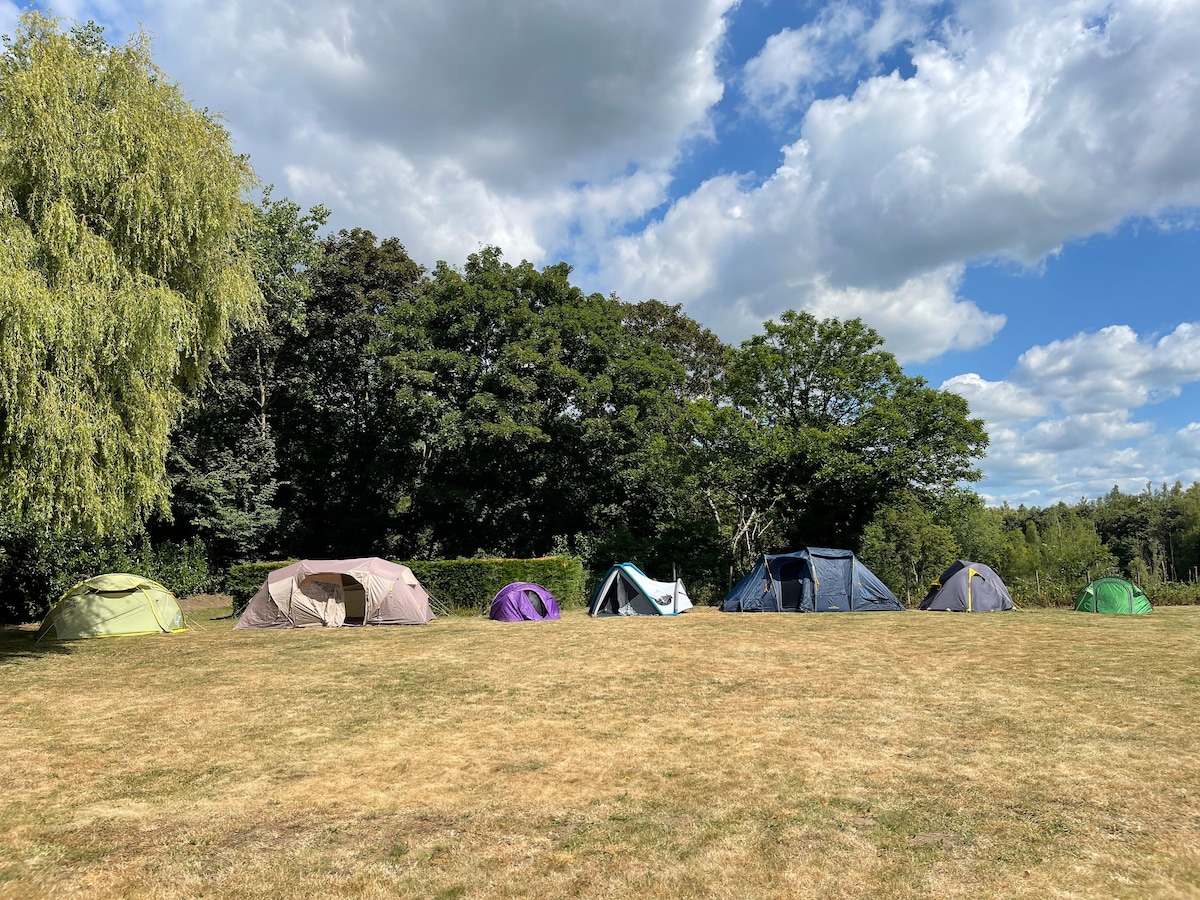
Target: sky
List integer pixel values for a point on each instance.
(1007, 191)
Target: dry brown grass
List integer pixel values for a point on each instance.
(1031, 754)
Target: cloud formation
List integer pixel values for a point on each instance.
(458, 123)
(1023, 127)
(555, 129)
(1063, 424)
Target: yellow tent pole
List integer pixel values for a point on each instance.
(153, 609)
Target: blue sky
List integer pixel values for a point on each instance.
(1006, 191)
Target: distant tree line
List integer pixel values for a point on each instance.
(1046, 554)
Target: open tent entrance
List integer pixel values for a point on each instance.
(626, 590)
(341, 598)
(523, 601)
(535, 600)
(620, 593)
(791, 574)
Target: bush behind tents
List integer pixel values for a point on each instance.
(466, 586)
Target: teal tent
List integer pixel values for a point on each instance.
(1112, 595)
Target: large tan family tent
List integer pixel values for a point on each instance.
(112, 605)
(335, 592)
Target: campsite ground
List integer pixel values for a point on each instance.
(1026, 754)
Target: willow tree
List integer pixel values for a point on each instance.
(122, 209)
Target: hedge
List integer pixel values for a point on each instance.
(464, 586)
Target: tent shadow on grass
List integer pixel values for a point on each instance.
(18, 643)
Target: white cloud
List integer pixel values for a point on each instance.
(842, 40)
(1085, 431)
(458, 123)
(999, 403)
(1063, 420)
(1026, 125)
(550, 127)
(1113, 368)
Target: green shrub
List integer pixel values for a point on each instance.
(37, 566)
(1174, 593)
(243, 581)
(468, 585)
(1050, 593)
(464, 586)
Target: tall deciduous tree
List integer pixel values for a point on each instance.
(121, 271)
(223, 466)
(340, 438)
(849, 430)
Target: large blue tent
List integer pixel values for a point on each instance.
(814, 579)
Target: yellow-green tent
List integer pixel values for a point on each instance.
(110, 605)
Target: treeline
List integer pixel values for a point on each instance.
(190, 380)
(495, 408)
(1047, 554)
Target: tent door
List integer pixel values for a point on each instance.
(791, 578)
(356, 600)
(536, 602)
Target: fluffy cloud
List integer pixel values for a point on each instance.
(1064, 421)
(1000, 403)
(843, 39)
(1113, 368)
(1024, 126)
(553, 127)
(458, 123)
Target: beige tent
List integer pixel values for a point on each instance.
(334, 592)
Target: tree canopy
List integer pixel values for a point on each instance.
(123, 270)
(361, 404)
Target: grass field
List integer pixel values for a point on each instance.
(1028, 754)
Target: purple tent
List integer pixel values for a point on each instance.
(522, 602)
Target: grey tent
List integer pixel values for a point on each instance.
(333, 592)
(968, 587)
(814, 579)
(625, 590)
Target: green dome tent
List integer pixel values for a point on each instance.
(111, 605)
(1112, 595)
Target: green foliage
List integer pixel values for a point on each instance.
(223, 464)
(243, 580)
(829, 430)
(342, 441)
(468, 585)
(121, 275)
(37, 565)
(907, 547)
(463, 585)
(532, 410)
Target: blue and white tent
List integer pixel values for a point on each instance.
(814, 579)
(625, 590)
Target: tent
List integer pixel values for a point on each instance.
(523, 602)
(815, 579)
(1113, 595)
(625, 590)
(968, 587)
(334, 592)
(111, 605)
